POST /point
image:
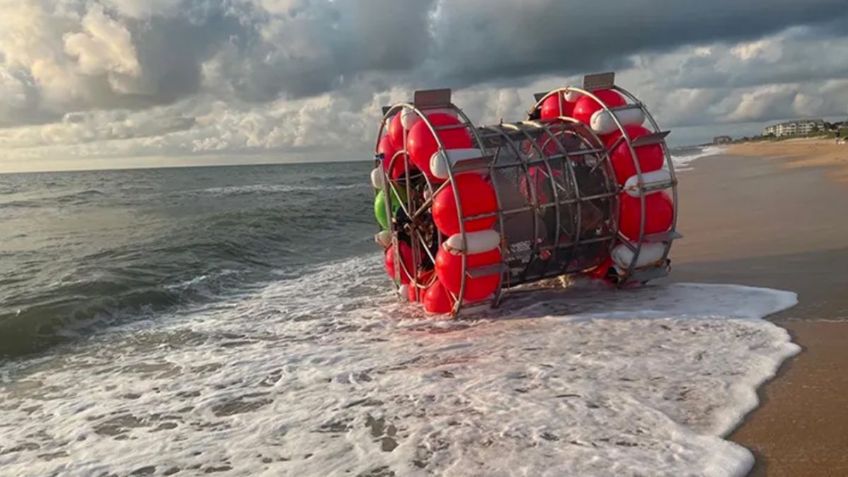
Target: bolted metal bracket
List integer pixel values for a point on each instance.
(432, 98)
(599, 81)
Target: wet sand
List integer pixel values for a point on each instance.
(767, 222)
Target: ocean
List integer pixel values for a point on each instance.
(86, 250)
(237, 320)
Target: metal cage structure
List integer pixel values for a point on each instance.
(557, 197)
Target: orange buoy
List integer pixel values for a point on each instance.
(659, 214)
(476, 196)
(421, 144)
(650, 156)
(586, 106)
(406, 257)
(449, 271)
(555, 106)
(437, 299)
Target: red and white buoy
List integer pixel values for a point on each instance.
(421, 143)
(638, 159)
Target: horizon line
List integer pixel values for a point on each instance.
(177, 166)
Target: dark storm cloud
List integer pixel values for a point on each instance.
(172, 50)
(317, 47)
(478, 40)
(261, 50)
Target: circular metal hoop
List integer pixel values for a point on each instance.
(635, 245)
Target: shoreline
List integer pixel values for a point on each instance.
(765, 219)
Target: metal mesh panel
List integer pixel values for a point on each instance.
(556, 197)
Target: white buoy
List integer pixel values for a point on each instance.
(650, 253)
(477, 242)
(602, 121)
(403, 292)
(440, 159)
(572, 96)
(656, 180)
(377, 178)
(408, 118)
(383, 238)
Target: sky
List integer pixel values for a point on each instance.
(88, 84)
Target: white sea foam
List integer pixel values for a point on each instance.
(320, 376)
(683, 159)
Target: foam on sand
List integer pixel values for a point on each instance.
(318, 376)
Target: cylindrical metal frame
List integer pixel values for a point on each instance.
(491, 141)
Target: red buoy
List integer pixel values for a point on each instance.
(423, 280)
(406, 256)
(476, 196)
(555, 106)
(449, 271)
(394, 130)
(437, 299)
(388, 150)
(600, 272)
(650, 156)
(659, 213)
(421, 144)
(586, 106)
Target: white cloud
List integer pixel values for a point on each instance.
(306, 79)
(103, 46)
(767, 49)
(769, 101)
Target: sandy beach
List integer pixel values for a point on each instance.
(802, 152)
(773, 219)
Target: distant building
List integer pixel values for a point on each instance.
(799, 127)
(722, 139)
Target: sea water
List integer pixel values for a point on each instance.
(237, 320)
